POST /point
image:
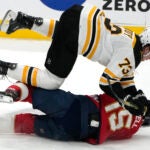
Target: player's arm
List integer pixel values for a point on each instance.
(111, 85)
(128, 85)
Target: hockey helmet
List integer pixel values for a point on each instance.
(145, 37)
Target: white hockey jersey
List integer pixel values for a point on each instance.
(112, 46)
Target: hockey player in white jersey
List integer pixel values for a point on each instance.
(85, 31)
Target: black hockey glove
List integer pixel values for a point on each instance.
(148, 109)
(146, 119)
(136, 105)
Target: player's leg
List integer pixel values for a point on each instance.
(21, 123)
(13, 21)
(24, 123)
(31, 75)
(51, 127)
(63, 51)
(73, 123)
(70, 123)
(52, 102)
(35, 77)
(7, 123)
(42, 125)
(60, 58)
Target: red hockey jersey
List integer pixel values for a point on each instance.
(116, 122)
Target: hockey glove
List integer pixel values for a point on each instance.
(146, 121)
(148, 109)
(136, 105)
(141, 96)
(14, 92)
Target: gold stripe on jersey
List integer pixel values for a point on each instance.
(127, 82)
(94, 35)
(34, 77)
(25, 74)
(97, 39)
(107, 74)
(104, 81)
(110, 74)
(51, 28)
(134, 41)
(29, 75)
(89, 29)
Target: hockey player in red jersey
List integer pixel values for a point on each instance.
(70, 117)
(85, 31)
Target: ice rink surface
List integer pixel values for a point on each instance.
(82, 80)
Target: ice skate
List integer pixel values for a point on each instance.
(13, 21)
(5, 65)
(8, 18)
(4, 98)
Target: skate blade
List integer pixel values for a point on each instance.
(5, 99)
(6, 20)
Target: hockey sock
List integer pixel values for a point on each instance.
(24, 123)
(47, 28)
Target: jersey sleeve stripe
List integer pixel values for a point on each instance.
(110, 73)
(104, 81)
(29, 77)
(127, 83)
(24, 74)
(93, 33)
(97, 39)
(127, 78)
(89, 29)
(34, 77)
(134, 41)
(51, 28)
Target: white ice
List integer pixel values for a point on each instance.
(82, 80)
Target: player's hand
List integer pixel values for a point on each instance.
(136, 105)
(148, 109)
(141, 96)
